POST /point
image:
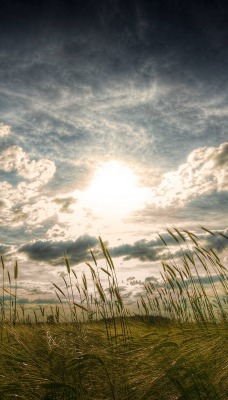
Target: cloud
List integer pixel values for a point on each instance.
(205, 280)
(155, 249)
(16, 207)
(53, 251)
(11, 158)
(132, 114)
(57, 231)
(14, 158)
(65, 203)
(38, 212)
(24, 300)
(5, 248)
(217, 239)
(205, 172)
(130, 278)
(146, 250)
(136, 282)
(151, 279)
(142, 249)
(4, 130)
(208, 210)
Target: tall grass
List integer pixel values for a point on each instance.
(89, 346)
(103, 304)
(183, 295)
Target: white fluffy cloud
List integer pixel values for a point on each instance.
(14, 158)
(57, 232)
(4, 130)
(205, 172)
(16, 207)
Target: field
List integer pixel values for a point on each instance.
(174, 346)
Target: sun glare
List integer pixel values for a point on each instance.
(114, 191)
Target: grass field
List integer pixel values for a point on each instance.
(174, 346)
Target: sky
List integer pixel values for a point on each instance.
(113, 123)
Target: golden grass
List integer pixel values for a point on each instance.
(174, 348)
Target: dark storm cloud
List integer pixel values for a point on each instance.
(154, 250)
(78, 250)
(157, 250)
(143, 249)
(53, 252)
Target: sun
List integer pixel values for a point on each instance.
(114, 191)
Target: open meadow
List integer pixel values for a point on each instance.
(174, 346)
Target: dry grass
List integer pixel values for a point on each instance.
(94, 349)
